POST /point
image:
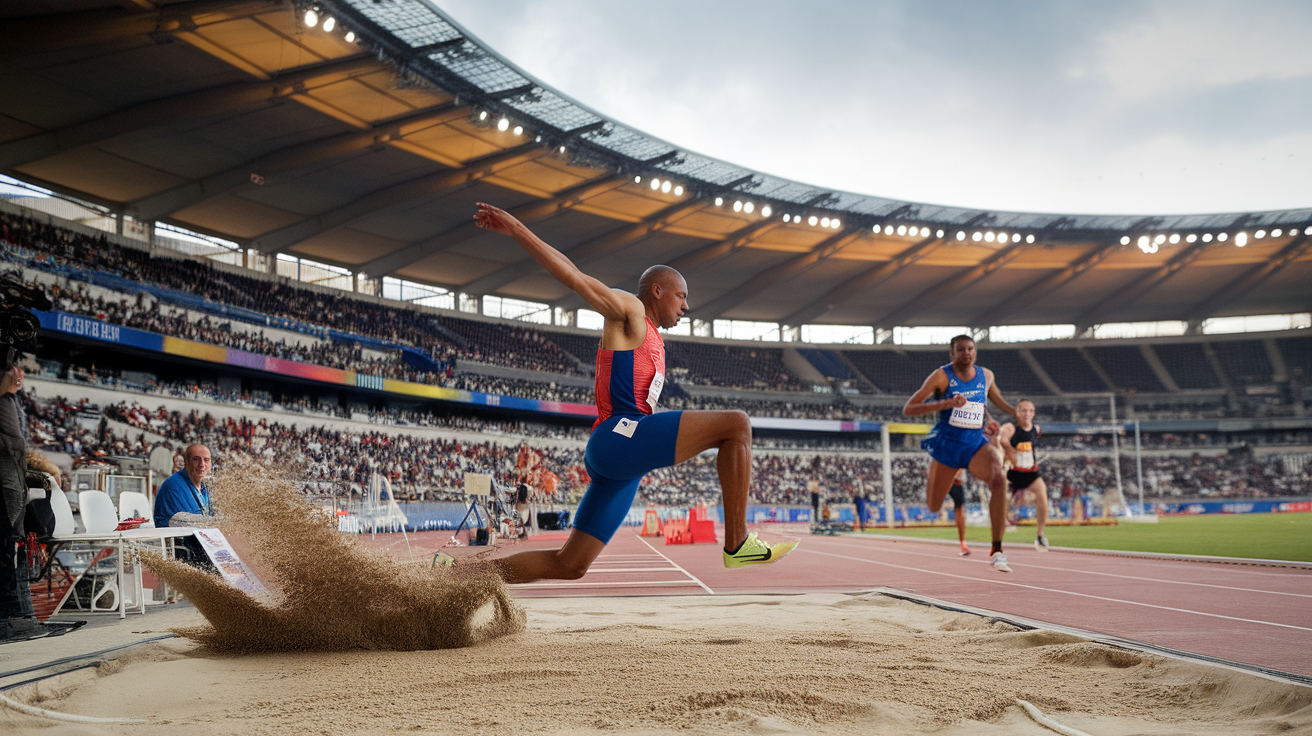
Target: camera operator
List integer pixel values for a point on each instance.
(15, 598)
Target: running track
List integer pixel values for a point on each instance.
(1254, 615)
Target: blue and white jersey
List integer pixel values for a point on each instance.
(963, 423)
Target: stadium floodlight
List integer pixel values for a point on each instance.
(1144, 242)
(1241, 239)
(678, 191)
(503, 125)
(812, 220)
(1015, 237)
(350, 36)
(940, 234)
(562, 149)
(738, 206)
(901, 229)
(1175, 238)
(1207, 237)
(788, 217)
(835, 224)
(889, 229)
(519, 130)
(1125, 240)
(1191, 238)
(538, 139)
(1159, 239)
(719, 201)
(311, 18)
(637, 180)
(748, 207)
(655, 184)
(977, 236)
(1259, 234)
(666, 186)
(1222, 237)
(1277, 233)
(989, 237)
(824, 222)
(1029, 238)
(961, 235)
(329, 24)
(482, 115)
(1308, 231)
(766, 211)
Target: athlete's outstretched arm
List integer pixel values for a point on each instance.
(612, 304)
(1004, 438)
(917, 405)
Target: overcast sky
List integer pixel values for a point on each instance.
(1073, 107)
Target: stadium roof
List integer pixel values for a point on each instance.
(238, 119)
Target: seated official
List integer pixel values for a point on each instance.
(183, 499)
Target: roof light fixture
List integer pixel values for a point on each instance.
(1259, 234)
(812, 220)
(835, 224)
(1241, 239)
(329, 24)
(1207, 237)
(748, 207)
(1125, 240)
(940, 234)
(1222, 237)
(538, 139)
(719, 201)
(678, 191)
(311, 18)
(503, 124)
(766, 211)
(738, 205)
(1308, 231)
(655, 184)
(1191, 238)
(977, 236)
(562, 149)
(637, 180)
(482, 115)
(788, 218)
(1277, 233)
(961, 235)
(666, 186)
(989, 236)
(1175, 238)
(1029, 238)
(901, 229)
(350, 36)
(1159, 239)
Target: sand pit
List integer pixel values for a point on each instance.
(816, 663)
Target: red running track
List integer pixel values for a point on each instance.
(1260, 616)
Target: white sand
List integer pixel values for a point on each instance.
(816, 663)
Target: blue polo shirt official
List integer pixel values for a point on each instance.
(177, 494)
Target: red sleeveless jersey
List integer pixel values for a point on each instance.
(629, 382)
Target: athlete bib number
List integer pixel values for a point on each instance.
(654, 392)
(970, 416)
(1025, 456)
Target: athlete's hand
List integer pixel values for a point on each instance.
(495, 219)
(992, 430)
(958, 400)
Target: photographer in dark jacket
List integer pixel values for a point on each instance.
(15, 598)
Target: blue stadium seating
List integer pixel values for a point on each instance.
(827, 362)
(1245, 361)
(1012, 373)
(1070, 370)
(1127, 367)
(1187, 364)
(894, 372)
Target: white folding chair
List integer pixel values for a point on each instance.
(100, 517)
(97, 511)
(134, 505)
(65, 524)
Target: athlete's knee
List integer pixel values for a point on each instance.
(736, 425)
(569, 567)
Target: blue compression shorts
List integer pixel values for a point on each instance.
(620, 452)
(952, 452)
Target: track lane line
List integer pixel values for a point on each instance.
(672, 562)
(1056, 590)
(1092, 572)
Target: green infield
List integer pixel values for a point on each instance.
(1260, 536)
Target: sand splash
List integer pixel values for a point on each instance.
(331, 594)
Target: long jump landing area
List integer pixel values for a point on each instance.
(1253, 615)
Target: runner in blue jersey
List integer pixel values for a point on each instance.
(965, 436)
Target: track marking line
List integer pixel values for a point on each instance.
(1057, 590)
(649, 584)
(608, 570)
(1106, 574)
(672, 562)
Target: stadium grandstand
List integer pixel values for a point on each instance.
(278, 216)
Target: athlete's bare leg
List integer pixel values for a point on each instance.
(940, 482)
(987, 466)
(731, 432)
(1039, 490)
(961, 526)
(570, 562)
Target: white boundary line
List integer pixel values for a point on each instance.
(1058, 590)
(653, 583)
(1108, 574)
(676, 565)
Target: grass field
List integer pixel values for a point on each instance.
(1262, 536)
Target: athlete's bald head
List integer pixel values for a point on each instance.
(667, 277)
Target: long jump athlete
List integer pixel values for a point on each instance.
(629, 439)
(964, 437)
